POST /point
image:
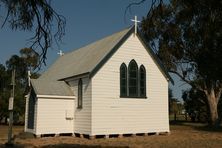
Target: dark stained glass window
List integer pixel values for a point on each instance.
(80, 94)
(133, 79)
(123, 80)
(142, 81)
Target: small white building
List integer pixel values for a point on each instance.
(115, 85)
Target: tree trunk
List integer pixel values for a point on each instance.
(212, 102)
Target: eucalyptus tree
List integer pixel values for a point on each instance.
(187, 36)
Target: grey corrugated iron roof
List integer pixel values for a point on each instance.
(83, 60)
(88, 59)
(44, 87)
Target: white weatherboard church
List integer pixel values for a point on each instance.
(115, 85)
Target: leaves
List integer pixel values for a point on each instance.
(37, 16)
(27, 61)
(195, 102)
(30, 57)
(188, 37)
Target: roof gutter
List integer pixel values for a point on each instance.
(76, 76)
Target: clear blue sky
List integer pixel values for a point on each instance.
(87, 21)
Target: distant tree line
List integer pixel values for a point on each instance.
(27, 60)
(176, 107)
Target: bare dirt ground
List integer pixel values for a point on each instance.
(4, 131)
(183, 135)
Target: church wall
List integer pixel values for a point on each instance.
(82, 117)
(114, 115)
(26, 111)
(54, 116)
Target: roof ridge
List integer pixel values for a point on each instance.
(100, 39)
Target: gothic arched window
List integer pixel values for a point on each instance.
(142, 81)
(133, 79)
(80, 94)
(123, 80)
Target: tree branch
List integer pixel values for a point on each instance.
(6, 18)
(23, 14)
(187, 81)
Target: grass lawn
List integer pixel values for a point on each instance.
(183, 134)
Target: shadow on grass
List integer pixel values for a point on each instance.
(178, 122)
(13, 146)
(196, 126)
(208, 128)
(80, 146)
(63, 146)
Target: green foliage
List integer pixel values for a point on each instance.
(28, 60)
(187, 35)
(170, 94)
(175, 106)
(39, 17)
(17, 63)
(30, 57)
(195, 103)
(189, 32)
(4, 89)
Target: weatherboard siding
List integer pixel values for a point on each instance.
(114, 115)
(82, 117)
(26, 112)
(52, 116)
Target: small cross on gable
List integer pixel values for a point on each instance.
(135, 21)
(60, 53)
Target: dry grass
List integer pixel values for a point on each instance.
(184, 135)
(4, 131)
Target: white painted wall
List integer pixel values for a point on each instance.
(114, 115)
(103, 111)
(82, 117)
(52, 116)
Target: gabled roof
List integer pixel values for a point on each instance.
(89, 59)
(56, 88)
(85, 59)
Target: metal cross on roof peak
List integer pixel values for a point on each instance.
(60, 53)
(135, 21)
